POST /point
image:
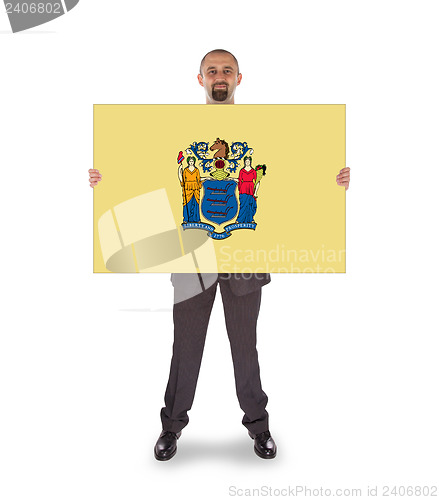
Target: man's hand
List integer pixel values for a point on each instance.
(95, 177)
(344, 177)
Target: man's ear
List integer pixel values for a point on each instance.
(239, 79)
(200, 80)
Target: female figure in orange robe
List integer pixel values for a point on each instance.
(191, 183)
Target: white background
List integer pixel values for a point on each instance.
(349, 362)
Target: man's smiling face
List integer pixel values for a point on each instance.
(219, 77)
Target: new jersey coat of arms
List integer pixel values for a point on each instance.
(219, 192)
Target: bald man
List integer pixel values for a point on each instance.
(194, 295)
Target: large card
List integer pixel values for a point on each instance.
(228, 189)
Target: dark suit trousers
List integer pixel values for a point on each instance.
(191, 318)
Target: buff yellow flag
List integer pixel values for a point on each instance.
(228, 189)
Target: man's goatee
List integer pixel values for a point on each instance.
(220, 95)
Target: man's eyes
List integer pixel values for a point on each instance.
(214, 71)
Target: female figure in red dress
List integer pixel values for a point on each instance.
(246, 188)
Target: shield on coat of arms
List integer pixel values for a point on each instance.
(220, 202)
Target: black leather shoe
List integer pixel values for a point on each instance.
(166, 446)
(265, 447)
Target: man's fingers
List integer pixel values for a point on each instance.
(95, 178)
(93, 170)
(343, 177)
